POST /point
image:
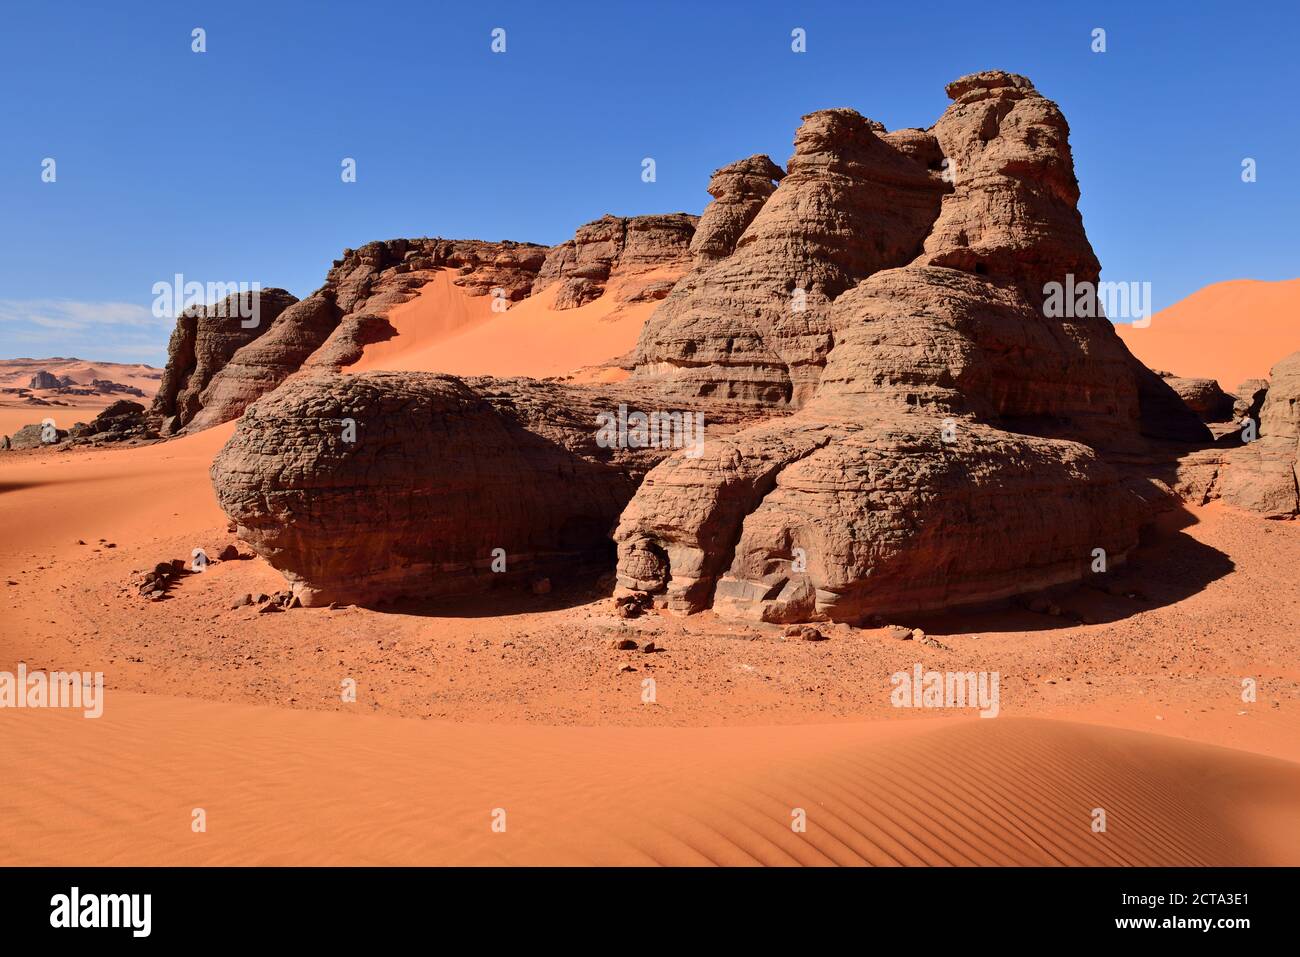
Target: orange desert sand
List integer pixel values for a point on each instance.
(1229, 331)
(519, 702)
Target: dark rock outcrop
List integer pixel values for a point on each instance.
(48, 380)
(203, 342)
(368, 487)
(121, 421)
(330, 327)
(1204, 397)
(33, 437)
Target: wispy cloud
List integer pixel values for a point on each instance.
(71, 327)
(74, 315)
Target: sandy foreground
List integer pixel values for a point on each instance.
(516, 708)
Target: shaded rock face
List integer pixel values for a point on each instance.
(1204, 397)
(1248, 400)
(1263, 475)
(894, 421)
(613, 248)
(203, 342)
(443, 486)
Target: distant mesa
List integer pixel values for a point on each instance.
(47, 380)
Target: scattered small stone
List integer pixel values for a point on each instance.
(806, 632)
(623, 668)
(242, 601)
(268, 608)
(632, 604)
(229, 554)
(899, 633)
(623, 644)
(650, 647)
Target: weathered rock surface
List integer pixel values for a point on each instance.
(1248, 400)
(121, 421)
(203, 342)
(442, 473)
(949, 444)
(615, 248)
(32, 437)
(331, 326)
(1263, 475)
(739, 191)
(756, 325)
(1204, 397)
(894, 421)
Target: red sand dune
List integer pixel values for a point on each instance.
(1229, 331)
(285, 787)
(444, 330)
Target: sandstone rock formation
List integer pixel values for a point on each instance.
(47, 380)
(121, 421)
(1204, 397)
(739, 191)
(33, 437)
(895, 422)
(1248, 400)
(1263, 475)
(436, 474)
(203, 342)
(617, 248)
(215, 369)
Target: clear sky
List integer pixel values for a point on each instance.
(225, 166)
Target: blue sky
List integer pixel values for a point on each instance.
(224, 166)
